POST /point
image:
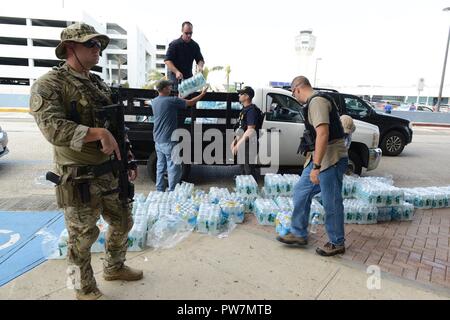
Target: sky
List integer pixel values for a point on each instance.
(370, 42)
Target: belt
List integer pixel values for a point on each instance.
(97, 170)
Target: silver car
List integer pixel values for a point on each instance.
(3, 143)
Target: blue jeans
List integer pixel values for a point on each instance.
(331, 191)
(166, 163)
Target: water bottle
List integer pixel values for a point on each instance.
(314, 223)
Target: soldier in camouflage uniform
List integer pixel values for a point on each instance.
(62, 103)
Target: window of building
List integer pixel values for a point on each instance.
(46, 63)
(45, 43)
(160, 47)
(13, 41)
(9, 20)
(15, 81)
(49, 23)
(160, 56)
(13, 61)
(161, 65)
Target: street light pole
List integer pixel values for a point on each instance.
(315, 71)
(443, 70)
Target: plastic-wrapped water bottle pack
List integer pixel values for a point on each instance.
(428, 198)
(191, 85)
(246, 185)
(378, 193)
(247, 200)
(285, 203)
(232, 209)
(404, 212)
(184, 190)
(209, 218)
(266, 211)
(359, 212)
(187, 211)
(216, 194)
(279, 185)
(283, 222)
(275, 185)
(349, 186)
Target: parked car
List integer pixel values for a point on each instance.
(395, 132)
(3, 143)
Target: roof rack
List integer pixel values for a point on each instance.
(324, 89)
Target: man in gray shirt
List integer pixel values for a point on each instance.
(165, 111)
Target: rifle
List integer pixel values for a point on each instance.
(112, 117)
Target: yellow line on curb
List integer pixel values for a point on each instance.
(14, 110)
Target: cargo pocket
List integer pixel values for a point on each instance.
(67, 195)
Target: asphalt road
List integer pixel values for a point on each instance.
(422, 163)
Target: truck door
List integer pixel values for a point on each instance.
(284, 115)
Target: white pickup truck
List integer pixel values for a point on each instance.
(282, 113)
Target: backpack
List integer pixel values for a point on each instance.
(259, 120)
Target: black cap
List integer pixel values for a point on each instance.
(248, 91)
(162, 84)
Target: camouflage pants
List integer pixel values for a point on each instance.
(81, 222)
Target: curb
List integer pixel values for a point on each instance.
(14, 110)
(426, 124)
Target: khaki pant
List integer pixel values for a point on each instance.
(81, 222)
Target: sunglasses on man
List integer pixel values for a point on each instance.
(92, 43)
(188, 33)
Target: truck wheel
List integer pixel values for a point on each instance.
(354, 162)
(393, 143)
(151, 168)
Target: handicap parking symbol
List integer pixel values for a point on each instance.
(13, 238)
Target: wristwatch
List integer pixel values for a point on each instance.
(316, 166)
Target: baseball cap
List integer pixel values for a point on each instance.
(248, 91)
(162, 84)
(347, 124)
(79, 32)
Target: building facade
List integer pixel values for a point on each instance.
(27, 51)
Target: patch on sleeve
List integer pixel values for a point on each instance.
(36, 102)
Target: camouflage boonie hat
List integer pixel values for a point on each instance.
(79, 32)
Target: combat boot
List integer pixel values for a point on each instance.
(125, 273)
(93, 295)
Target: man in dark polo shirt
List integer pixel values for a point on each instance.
(247, 130)
(181, 54)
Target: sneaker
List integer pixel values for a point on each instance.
(330, 249)
(93, 295)
(125, 273)
(291, 239)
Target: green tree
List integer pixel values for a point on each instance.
(152, 79)
(206, 70)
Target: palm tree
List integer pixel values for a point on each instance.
(227, 74)
(153, 78)
(206, 70)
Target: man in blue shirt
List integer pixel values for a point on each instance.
(388, 107)
(181, 54)
(165, 112)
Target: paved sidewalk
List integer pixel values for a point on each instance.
(250, 264)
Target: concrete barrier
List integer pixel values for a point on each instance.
(424, 117)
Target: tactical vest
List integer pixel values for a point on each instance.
(93, 94)
(336, 131)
